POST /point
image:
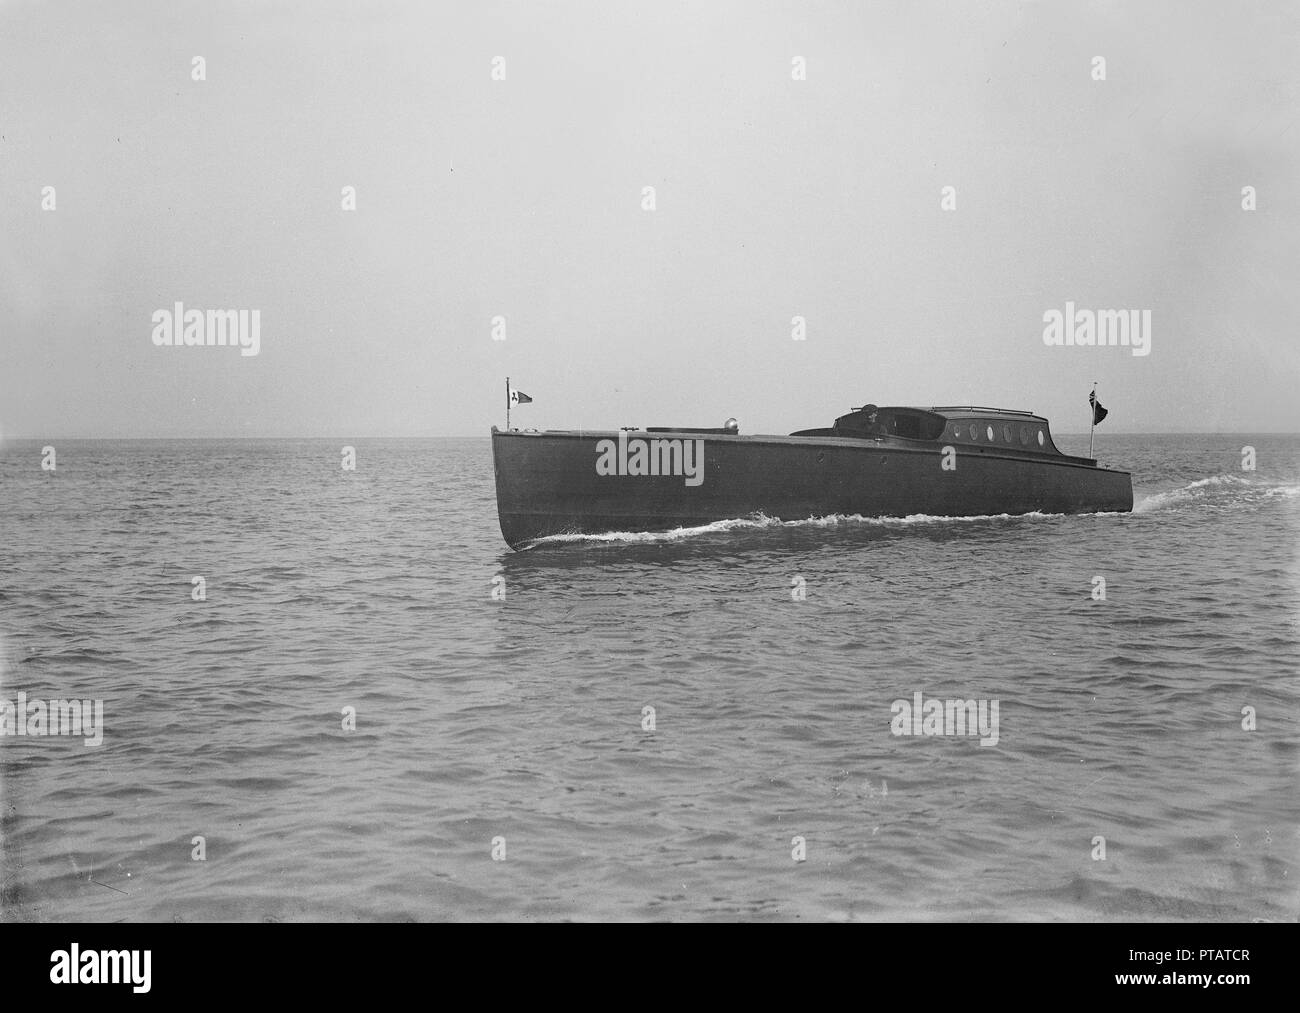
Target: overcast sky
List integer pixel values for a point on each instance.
(523, 198)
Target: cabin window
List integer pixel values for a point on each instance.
(1006, 433)
(974, 431)
(956, 432)
(1040, 437)
(907, 426)
(990, 434)
(1024, 435)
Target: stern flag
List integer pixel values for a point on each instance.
(1098, 412)
(519, 397)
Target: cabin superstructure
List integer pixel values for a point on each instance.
(962, 426)
(998, 427)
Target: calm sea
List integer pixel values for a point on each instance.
(1125, 782)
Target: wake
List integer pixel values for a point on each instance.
(1218, 490)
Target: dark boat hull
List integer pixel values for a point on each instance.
(547, 483)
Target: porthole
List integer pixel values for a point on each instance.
(956, 432)
(1040, 437)
(990, 434)
(1024, 435)
(1006, 432)
(974, 431)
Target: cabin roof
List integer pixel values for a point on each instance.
(956, 411)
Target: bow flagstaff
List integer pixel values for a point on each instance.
(514, 397)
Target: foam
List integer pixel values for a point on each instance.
(761, 521)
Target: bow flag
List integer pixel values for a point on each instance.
(1098, 412)
(514, 397)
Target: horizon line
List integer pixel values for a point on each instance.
(480, 435)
